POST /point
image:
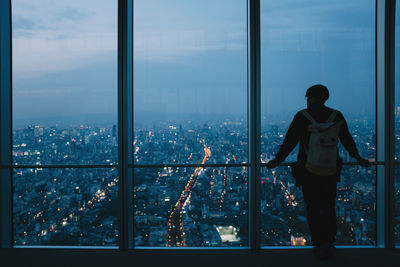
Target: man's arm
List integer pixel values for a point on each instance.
(348, 142)
(289, 143)
(345, 137)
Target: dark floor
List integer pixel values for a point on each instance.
(296, 257)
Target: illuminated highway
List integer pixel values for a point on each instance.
(223, 193)
(175, 235)
(288, 196)
(99, 196)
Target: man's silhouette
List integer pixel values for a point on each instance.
(318, 184)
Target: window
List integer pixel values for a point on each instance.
(64, 115)
(302, 44)
(190, 108)
(65, 207)
(183, 172)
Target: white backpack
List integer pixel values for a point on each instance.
(322, 152)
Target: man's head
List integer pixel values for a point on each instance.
(317, 95)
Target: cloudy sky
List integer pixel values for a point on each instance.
(191, 57)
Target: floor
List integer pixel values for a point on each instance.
(206, 258)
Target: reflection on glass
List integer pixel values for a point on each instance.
(284, 218)
(316, 42)
(397, 126)
(61, 207)
(190, 81)
(64, 81)
(191, 207)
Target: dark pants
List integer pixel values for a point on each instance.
(319, 193)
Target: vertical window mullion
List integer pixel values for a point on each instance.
(125, 59)
(5, 126)
(389, 108)
(385, 15)
(254, 121)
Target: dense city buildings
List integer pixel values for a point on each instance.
(175, 206)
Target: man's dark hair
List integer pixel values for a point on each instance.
(320, 91)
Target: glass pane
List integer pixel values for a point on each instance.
(303, 44)
(190, 81)
(284, 217)
(397, 126)
(191, 207)
(283, 214)
(65, 207)
(64, 81)
(356, 206)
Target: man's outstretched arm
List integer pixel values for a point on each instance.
(348, 142)
(289, 143)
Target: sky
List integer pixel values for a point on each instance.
(190, 58)
(64, 58)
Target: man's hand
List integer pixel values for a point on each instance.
(272, 163)
(363, 162)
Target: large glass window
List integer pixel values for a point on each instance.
(64, 114)
(190, 107)
(65, 207)
(194, 207)
(190, 164)
(302, 44)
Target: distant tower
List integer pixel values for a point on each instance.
(180, 129)
(38, 131)
(73, 146)
(114, 131)
(275, 130)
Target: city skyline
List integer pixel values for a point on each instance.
(209, 199)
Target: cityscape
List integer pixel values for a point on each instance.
(180, 206)
(64, 77)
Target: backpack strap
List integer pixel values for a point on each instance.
(308, 116)
(332, 116)
(311, 119)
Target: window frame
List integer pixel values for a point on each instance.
(384, 67)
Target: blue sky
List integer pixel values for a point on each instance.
(64, 58)
(190, 57)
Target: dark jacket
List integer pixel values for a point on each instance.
(298, 132)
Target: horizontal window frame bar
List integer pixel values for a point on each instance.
(67, 247)
(112, 248)
(231, 165)
(190, 248)
(58, 166)
(153, 166)
(285, 247)
(310, 247)
(344, 163)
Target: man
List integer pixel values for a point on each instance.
(318, 183)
